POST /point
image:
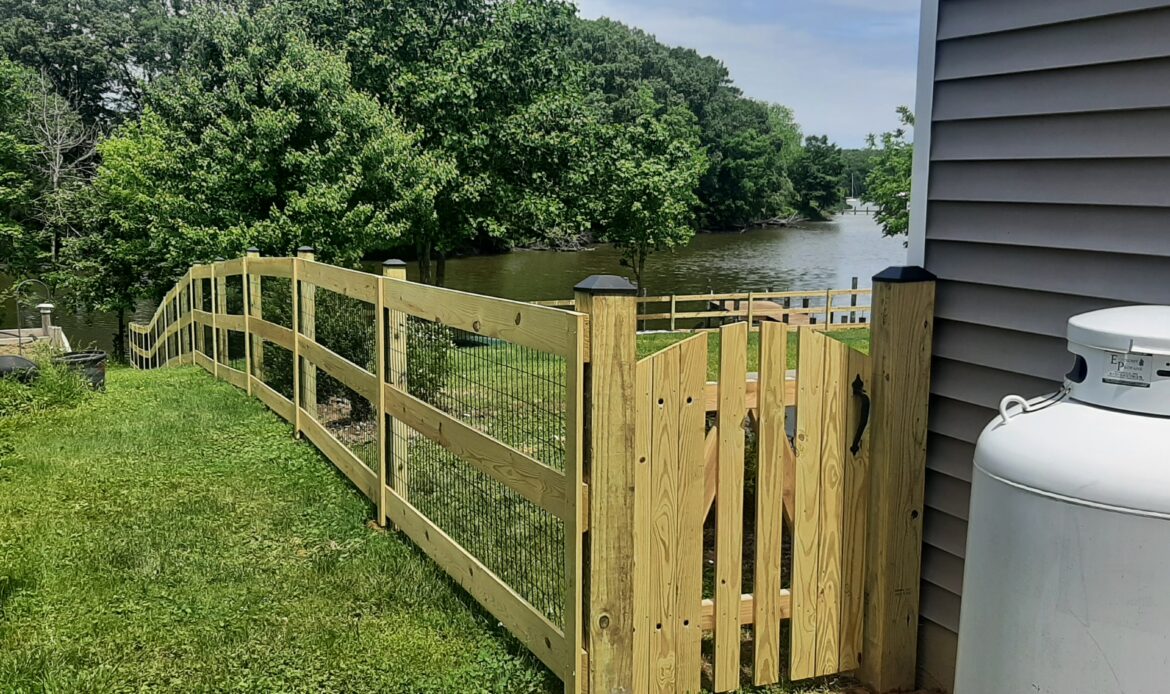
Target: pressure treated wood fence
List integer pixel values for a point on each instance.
(829, 309)
(612, 513)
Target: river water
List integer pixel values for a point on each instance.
(809, 256)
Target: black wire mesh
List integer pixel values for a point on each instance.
(276, 300)
(233, 294)
(236, 356)
(514, 394)
(277, 369)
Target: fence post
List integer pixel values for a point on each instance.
(673, 309)
(610, 379)
(853, 301)
(221, 335)
(308, 298)
(255, 310)
(196, 328)
(296, 330)
(903, 321)
(246, 299)
(392, 361)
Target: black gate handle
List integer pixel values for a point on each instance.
(859, 391)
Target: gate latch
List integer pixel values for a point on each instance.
(863, 421)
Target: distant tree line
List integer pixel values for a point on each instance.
(140, 136)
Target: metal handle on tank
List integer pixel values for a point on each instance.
(1008, 402)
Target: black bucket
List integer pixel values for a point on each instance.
(17, 368)
(91, 364)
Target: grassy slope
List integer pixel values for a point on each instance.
(649, 343)
(172, 535)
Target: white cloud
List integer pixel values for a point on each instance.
(845, 87)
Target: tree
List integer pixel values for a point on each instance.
(22, 241)
(888, 183)
(650, 183)
(816, 176)
(858, 164)
(261, 141)
(489, 86)
(749, 144)
(100, 53)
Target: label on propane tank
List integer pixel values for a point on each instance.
(1127, 369)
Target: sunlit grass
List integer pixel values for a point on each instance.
(649, 343)
(172, 535)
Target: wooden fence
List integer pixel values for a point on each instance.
(829, 309)
(608, 511)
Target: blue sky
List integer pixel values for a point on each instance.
(842, 65)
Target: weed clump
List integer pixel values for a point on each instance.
(54, 386)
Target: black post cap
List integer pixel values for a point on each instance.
(606, 285)
(393, 262)
(253, 249)
(904, 274)
(219, 258)
(305, 249)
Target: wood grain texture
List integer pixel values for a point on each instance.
(539, 327)
(772, 442)
(835, 403)
(664, 522)
(806, 524)
(340, 368)
(856, 509)
(747, 609)
(611, 452)
(901, 358)
(576, 519)
(352, 283)
(729, 504)
(271, 267)
(692, 421)
(644, 567)
(271, 332)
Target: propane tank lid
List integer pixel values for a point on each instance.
(1138, 329)
(1124, 359)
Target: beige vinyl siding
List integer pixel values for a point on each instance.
(1049, 195)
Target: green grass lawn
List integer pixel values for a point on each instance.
(172, 535)
(649, 343)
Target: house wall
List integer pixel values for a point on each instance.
(1048, 194)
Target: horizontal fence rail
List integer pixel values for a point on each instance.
(830, 309)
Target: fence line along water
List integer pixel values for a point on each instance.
(608, 511)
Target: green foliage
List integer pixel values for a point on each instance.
(54, 387)
(816, 176)
(888, 183)
(98, 54)
(19, 182)
(428, 365)
(749, 144)
(261, 141)
(858, 163)
(654, 167)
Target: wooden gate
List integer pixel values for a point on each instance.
(735, 525)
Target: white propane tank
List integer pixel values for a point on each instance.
(1066, 588)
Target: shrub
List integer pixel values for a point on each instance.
(428, 358)
(55, 386)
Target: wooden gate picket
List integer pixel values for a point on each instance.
(829, 529)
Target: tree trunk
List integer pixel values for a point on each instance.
(441, 270)
(424, 263)
(120, 337)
